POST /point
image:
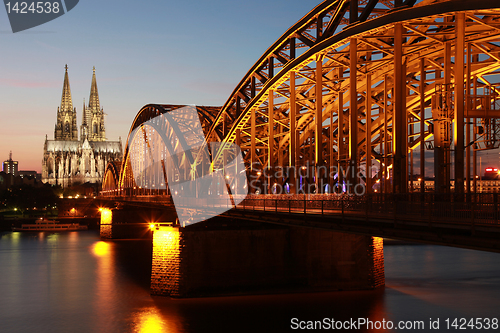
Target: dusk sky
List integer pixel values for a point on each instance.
(144, 52)
(178, 52)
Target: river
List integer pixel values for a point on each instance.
(73, 282)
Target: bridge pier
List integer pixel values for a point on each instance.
(205, 262)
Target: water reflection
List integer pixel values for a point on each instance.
(438, 279)
(14, 237)
(73, 282)
(101, 249)
(104, 289)
(149, 320)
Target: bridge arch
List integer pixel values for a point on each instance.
(110, 184)
(155, 134)
(351, 92)
(403, 55)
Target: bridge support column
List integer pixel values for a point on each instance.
(332, 163)
(353, 115)
(399, 117)
(253, 152)
(237, 182)
(340, 140)
(293, 137)
(318, 122)
(459, 103)
(442, 140)
(422, 124)
(204, 262)
(255, 167)
(368, 138)
(270, 153)
(386, 138)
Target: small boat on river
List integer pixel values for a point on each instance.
(50, 225)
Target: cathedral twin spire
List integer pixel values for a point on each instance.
(66, 100)
(92, 127)
(94, 95)
(66, 128)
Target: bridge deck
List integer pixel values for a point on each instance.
(473, 225)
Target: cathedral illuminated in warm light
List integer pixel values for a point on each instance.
(70, 159)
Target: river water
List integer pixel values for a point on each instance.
(73, 282)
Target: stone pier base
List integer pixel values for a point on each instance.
(191, 263)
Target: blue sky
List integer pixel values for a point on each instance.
(150, 51)
(184, 52)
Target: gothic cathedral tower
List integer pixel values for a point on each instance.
(93, 116)
(66, 129)
(69, 160)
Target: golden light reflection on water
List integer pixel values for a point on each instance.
(52, 238)
(105, 290)
(150, 320)
(73, 236)
(15, 237)
(101, 249)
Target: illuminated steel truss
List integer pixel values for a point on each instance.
(154, 135)
(363, 86)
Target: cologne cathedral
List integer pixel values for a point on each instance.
(70, 159)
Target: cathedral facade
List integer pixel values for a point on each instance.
(72, 159)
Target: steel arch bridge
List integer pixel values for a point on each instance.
(358, 92)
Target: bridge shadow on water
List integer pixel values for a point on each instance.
(133, 258)
(268, 313)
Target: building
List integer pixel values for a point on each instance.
(10, 166)
(72, 159)
(30, 174)
(6, 180)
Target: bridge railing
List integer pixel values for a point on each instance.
(373, 207)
